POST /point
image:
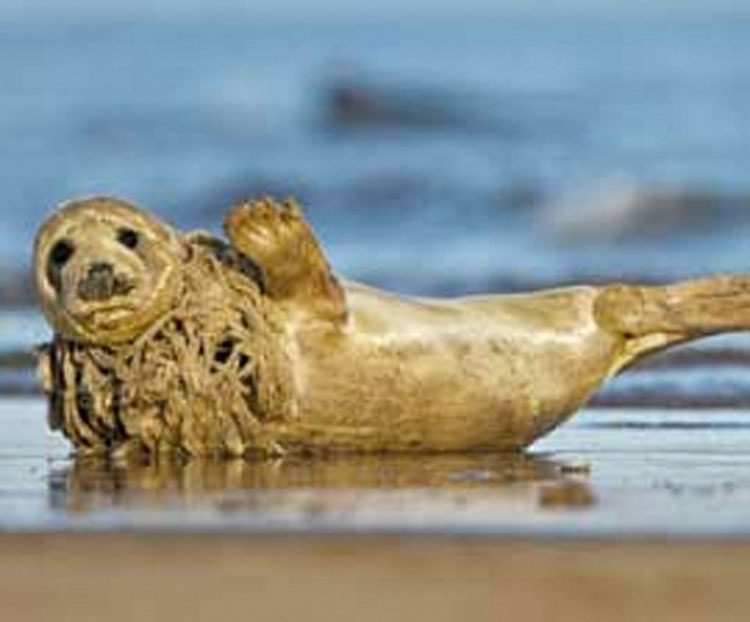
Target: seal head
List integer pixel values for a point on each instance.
(105, 270)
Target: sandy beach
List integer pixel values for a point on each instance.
(198, 577)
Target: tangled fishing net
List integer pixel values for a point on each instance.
(204, 379)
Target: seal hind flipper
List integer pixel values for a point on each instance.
(281, 241)
(652, 317)
(691, 308)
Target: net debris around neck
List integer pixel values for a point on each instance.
(203, 380)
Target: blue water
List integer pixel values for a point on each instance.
(534, 128)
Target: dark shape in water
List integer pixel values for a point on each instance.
(356, 103)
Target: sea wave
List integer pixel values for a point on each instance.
(619, 208)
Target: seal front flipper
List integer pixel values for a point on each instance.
(281, 241)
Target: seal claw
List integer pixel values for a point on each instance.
(277, 236)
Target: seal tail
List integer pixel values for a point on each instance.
(680, 311)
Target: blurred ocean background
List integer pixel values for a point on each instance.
(438, 149)
(436, 152)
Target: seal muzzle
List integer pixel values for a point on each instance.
(102, 283)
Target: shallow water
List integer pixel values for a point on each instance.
(607, 472)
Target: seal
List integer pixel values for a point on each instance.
(185, 342)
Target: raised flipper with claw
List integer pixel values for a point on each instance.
(298, 276)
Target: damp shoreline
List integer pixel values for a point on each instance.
(434, 578)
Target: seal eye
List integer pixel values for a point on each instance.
(60, 254)
(128, 238)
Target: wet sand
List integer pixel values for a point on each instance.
(178, 577)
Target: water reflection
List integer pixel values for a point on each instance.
(311, 487)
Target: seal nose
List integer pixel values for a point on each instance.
(99, 282)
(101, 269)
